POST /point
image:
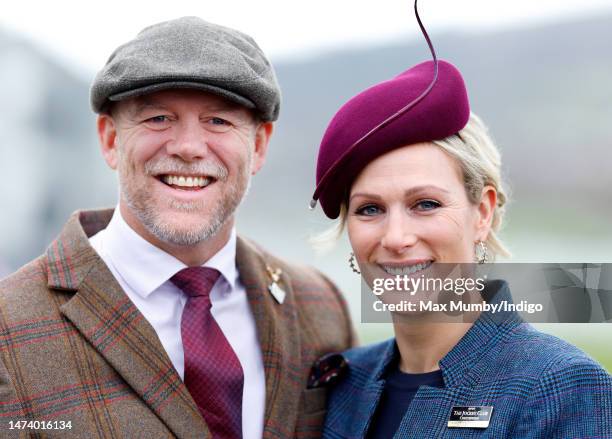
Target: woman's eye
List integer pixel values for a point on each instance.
(427, 205)
(368, 210)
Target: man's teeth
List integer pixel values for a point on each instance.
(179, 180)
(406, 270)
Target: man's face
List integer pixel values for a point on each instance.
(184, 159)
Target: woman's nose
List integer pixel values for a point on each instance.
(399, 233)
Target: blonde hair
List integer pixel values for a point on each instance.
(480, 162)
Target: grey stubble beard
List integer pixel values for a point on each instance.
(140, 202)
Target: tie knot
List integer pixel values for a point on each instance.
(196, 281)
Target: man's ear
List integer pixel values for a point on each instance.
(486, 209)
(107, 133)
(263, 132)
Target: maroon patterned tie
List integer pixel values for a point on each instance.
(213, 373)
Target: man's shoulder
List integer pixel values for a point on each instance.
(32, 275)
(25, 295)
(319, 303)
(301, 276)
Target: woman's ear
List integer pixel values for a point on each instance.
(107, 133)
(486, 209)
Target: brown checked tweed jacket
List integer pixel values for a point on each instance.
(74, 348)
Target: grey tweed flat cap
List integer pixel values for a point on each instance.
(190, 53)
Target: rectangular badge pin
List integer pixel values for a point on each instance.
(470, 416)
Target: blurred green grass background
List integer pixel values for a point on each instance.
(591, 338)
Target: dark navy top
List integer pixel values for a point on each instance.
(399, 390)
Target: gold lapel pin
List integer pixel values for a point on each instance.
(277, 292)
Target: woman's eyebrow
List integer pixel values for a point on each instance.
(407, 193)
(365, 195)
(424, 188)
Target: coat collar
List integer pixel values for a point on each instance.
(105, 316)
(486, 331)
(279, 338)
(70, 257)
(459, 366)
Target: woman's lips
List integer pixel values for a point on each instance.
(405, 268)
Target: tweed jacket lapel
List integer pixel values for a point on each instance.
(372, 391)
(105, 316)
(279, 338)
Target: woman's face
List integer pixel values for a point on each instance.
(409, 207)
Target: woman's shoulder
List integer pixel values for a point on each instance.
(559, 384)
(371, 356)
(538, 365)
(531, 347)
(363, 363)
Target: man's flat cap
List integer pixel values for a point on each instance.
(351, 140)
(190, 53)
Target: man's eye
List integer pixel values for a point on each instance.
(368, 210)
(218, 125)
(158, 119)
(427, 205)
(157, 123)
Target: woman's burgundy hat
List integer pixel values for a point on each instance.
(426, 102)
(379, 120)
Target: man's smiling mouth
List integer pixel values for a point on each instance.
(186, 182)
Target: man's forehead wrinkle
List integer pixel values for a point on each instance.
(142, 103)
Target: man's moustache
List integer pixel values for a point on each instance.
(207, 169)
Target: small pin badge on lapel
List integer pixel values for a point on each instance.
(277, 292)
(470, 416)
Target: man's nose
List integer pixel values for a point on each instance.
(190, 140)
(399, 233)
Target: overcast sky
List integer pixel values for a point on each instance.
(84, 33)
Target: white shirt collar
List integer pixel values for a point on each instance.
(145, 267)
